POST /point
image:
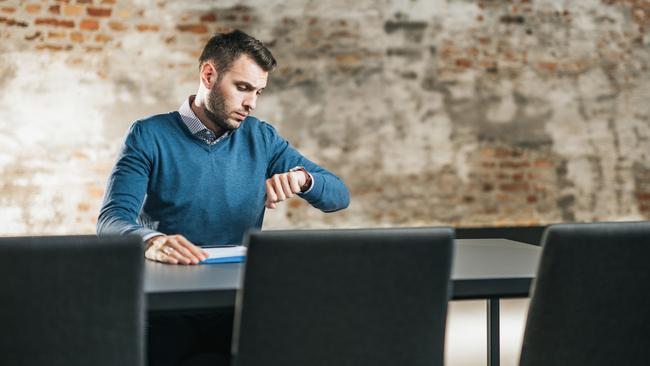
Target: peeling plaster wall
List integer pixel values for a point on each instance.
(434, 112)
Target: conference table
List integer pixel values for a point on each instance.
(489, 269)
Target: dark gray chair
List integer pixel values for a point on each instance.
(71, 300)
(344, 297)
(591, 299)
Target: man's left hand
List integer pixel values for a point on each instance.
(283, 186)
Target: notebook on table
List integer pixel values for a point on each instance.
(230, 253)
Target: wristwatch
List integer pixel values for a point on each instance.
(305, 187)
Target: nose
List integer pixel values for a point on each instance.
(250, 101)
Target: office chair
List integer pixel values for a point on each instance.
(71, 300)
(591, 299)
(344, 297)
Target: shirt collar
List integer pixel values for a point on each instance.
(190, 119)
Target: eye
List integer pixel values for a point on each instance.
(241, 87)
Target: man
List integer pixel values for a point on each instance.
(204, 175)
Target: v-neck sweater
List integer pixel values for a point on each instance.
(167, 180)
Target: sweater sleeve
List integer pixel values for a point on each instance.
(126, 188)
(328, 192)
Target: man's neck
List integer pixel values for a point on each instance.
(199, 110)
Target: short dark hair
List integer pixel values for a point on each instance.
(224, 48)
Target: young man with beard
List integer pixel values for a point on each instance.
(204, 175)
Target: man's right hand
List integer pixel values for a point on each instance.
(173, 249)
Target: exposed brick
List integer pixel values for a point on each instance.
(103, 38)
(55, 9)
(543, 163)
(33, 8)
(209, 18)
(117, 26)
(84, 1)
(13, 22)
(193, 28)
(34, 36)
(55, 22)
(147, 27)
(513, 187)
(72, 10)
(108, 1)
(643, 196)
(99, 12)
(93, 49)
(53, 47)
(89, 24)
(77, 37)
(55, 34)
(514, 164)
(8, 10)
(463, 62)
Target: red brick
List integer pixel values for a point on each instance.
(514, 164)
(34, 36)
(103, 38)
(531, 199)
(77, 37)
(72, 10)
(99, 12)
(55, 22)
(88, 24)
(52, 47)
(193, 28)
(33, 8)
(8, 10)
(512, 187)
(56, 35)
(55, 9)
(108, 1)
(93, 49)
(147, 27)
(14, 22)
(643, 196)
(543, 163)
(84, 1)
(462, 62)
(117, 26)
(209, 18)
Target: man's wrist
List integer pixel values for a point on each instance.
(308, 178)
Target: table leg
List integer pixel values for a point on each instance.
(493, 345)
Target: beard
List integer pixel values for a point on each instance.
(215, 109)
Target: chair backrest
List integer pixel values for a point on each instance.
(591, 298)
(344, 297)
(71, 300)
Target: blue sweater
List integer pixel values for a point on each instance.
(167, 180)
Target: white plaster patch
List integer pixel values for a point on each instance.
(505, 110)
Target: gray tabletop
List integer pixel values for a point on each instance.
(483, 268)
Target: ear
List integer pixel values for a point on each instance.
(208, 74)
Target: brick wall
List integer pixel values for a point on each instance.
(433, 112)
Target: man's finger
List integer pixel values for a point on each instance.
(277, 185)
(270, 192)
(171, 252)
(295, 185)
(284, 178)
(190, 249)
(162, 257)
